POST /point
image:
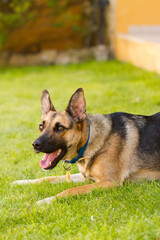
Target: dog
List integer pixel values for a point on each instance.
(108, 149)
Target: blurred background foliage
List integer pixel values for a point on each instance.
(13, 14)
(49, 21)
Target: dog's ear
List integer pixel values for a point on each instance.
(77, 106)
(46, 103)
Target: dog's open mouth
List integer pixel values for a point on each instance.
(50, 160)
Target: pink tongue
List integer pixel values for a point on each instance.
(47, 158)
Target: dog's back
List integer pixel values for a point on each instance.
(127, 143)
(148, 128)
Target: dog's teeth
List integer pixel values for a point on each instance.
(59, 151)
(50, 163)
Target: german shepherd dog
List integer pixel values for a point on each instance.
(115, 147)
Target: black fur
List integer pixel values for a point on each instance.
(48, 143)
(148, 150)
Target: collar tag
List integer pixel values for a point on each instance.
(68, 176)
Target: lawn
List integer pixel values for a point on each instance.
(128, 212)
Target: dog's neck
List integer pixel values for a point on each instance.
(98, 125)
(85, 128)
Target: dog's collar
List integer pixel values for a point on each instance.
(80, 152)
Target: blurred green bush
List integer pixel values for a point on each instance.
(13, 13)
(33, 25)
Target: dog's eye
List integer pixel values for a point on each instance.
(41, 127)
(59, 128)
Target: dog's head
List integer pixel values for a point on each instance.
(60, 131)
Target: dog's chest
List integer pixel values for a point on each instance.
(84, 170)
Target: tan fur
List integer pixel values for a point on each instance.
(144, 174)
(106, 165)
(127, 156)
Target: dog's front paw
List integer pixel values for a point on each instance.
(21, 182)
(46, 200)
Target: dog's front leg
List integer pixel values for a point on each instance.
(53, 179)
(86, 188)
(78, 190)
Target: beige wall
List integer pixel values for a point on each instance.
(140, 53)
(136, 12)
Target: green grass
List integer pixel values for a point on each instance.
(128, 212)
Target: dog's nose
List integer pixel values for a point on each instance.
(37, 144)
